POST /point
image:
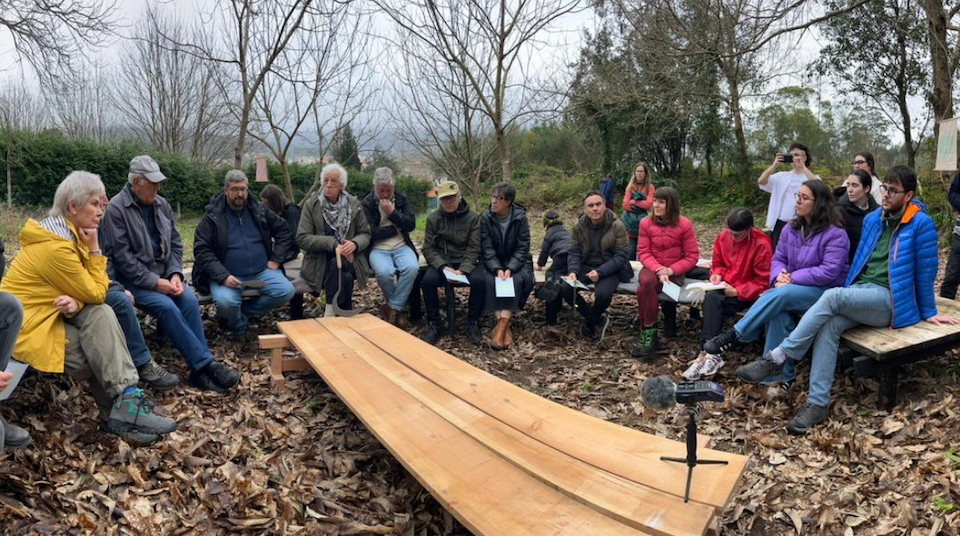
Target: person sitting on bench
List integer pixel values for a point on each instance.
(11, 318)
(598, 256)
(60, 278)
(741, 263)
(332, 221)
(556, 246)
(890, 283)
(505, 250)
(451, 243)
(393, 257)
(810, 258)
(237, 242)
(272, 197)
(667, 248)
(145, 250)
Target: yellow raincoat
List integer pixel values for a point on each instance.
(49, 266)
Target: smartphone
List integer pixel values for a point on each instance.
(787, 158)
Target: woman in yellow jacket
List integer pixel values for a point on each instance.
(60, 278)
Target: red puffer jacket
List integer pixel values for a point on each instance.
(745, 265)
(671, 246)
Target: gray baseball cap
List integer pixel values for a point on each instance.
(146, 166)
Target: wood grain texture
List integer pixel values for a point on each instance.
(885, 343)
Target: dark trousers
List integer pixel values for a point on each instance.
(333, 278)
(716, 309)
(632, 254)
(951, 278)
(433, 280)
(603, 291)
(777, 227)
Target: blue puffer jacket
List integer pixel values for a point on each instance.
(913, 263)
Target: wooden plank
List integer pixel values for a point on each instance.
(269, 342)
(483, 491)
(628, 502)
(885, 343)
(627, 453)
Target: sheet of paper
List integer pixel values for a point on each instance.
(672, 289)
(17, 369)
(704, 263)
(456, 278)
(504, 288)
(706, 285)
(575, 284)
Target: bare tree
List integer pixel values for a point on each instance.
(81, 103)
(491, 43)
(21, 111)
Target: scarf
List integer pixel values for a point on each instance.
(336, 215)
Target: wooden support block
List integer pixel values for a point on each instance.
(269, 342)
(279, 364)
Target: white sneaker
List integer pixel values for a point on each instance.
(703, 366)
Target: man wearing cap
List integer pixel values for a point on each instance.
(451, 243)
(142, 242)
(239, 241)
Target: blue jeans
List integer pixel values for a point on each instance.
(179, 319)
(838, 310)
(402, 263)
(234, 310)
(130, 324)
(11, 319)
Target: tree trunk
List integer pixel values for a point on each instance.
(743, 161)
(242, 134)
(9, 180)
(285, 171)
(504, 154)
(941, 97)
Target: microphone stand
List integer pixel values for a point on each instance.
(693, 412)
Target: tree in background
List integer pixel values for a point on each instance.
(346, 152)
(943, 36)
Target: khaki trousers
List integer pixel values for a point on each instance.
(97, 351)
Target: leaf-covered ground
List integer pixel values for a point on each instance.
(256, 462)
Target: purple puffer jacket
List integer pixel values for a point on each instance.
(818, 261)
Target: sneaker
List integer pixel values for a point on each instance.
(157, 377)
(649, 343)
(705, 365)
(809, 416)
(432, 334)
(759, 370)
(134, 411)
(133, 437)
(473, 333)
(221, 374)
(724, 341)
(14, 437)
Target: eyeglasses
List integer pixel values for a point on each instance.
(497, 198)
(859, 162)
(802, 198)
(890, 191)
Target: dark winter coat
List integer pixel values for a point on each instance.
(403, 219)
(556, 245)
(452, 239)
(508, 250)
(210, 240)
(853, 219)
(614, 247)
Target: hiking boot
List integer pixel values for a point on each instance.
(14, 437)
(221, 374)
(809, 416)
(387, 314)
(473, 333)
(759, 370)
(704, 366)
(133, 437)
(157, 377)
(649, 343)
(724, 341)
(134, 411)
(432, 334)
(200, 380)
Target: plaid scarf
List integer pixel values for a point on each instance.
(337, 215)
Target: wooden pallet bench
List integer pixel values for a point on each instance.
(882, 351)
(502, 460)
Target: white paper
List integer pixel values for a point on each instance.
(575, 284)
(705, 285)
(17, 369)
(504, 288)
(672, 289)
(947, 148)
(456, 278)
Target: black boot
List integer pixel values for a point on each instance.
(433, 333)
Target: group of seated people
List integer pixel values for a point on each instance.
(68, 302)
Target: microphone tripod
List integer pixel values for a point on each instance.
(693, 412)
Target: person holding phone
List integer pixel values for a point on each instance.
(784, 185)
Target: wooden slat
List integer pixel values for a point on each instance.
(626, 501)
(885, 343)
(621, 451)
(483, 491)
(269, 342)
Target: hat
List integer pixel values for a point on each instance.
(146, 166)
(446, 189)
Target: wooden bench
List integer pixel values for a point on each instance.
(291, 269)
(882, 351)
(500, 459)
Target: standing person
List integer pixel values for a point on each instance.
(783, 187)
(608, 191)
(145, 249)
(855, 203)
(238, 241)
(451, 243)
(637, 200)
(598, 256)
(272, 197)
(890, 283)
(556, 245)
(393, 257)
(11, 318)
(332, 221)
(668, 249)
(60, 278)
(810, 258)
(864, 161)
(505, 253)
(951, 278)
(741, 263)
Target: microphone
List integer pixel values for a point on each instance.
(660, 393)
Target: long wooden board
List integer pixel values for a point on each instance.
(486, 493)
(627, 453)
(885, 343)
(628, 502)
